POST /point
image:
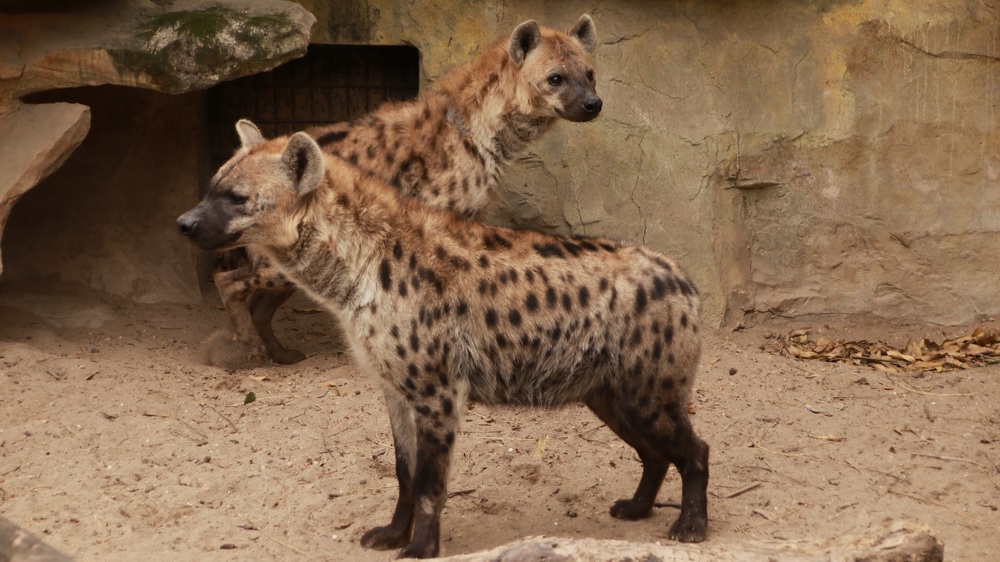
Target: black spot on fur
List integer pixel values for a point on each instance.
(385, 275)
(584, 296)
(494, 241)
(414, 342)
(461, 308)
(550, 297)
(573, 249)
(491, 318)
(402, 289)
(397, 250)
(603, 286)
(330, 138)
(531, 302)
(548, 250)
(640, 299)
(684, 320)
(515, 317)
(668, 334)
(430, 389)
(567, 302)
(484, 261)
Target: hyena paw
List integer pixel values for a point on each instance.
(288, 356)
(418, 551)
(688, 529)
(384, 538)
(630, 510)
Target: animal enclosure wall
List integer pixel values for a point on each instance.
(830, 156)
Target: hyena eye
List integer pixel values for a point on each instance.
(556, 79)
(590, 75)
(236, 198)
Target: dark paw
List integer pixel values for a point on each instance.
(688, 529)
(630, 510)
(415, 551)
(384, 538)
(288, 356)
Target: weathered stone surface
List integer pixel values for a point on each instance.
(901, 542)
(37, 140)
(799, 158)
(18, 545)
(171, 47)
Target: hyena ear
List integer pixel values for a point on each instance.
(585, 33)
(303, 160)
(525, 38)
(249, 134)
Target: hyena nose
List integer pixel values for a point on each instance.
(592, 105)
(186, 225)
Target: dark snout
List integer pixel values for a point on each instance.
(187, 223)
(584, 106)
(204, 229)
(592, 106)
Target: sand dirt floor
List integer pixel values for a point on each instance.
(118, 443)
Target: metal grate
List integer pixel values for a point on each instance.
(330, 83)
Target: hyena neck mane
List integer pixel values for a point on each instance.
(488, 102)
(343, 230)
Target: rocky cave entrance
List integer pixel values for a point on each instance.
(105, 220)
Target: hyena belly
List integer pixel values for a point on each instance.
(447, 148)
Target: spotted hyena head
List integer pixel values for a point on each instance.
(253, 194)
(556, 69)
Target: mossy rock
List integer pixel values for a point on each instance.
(188, 50)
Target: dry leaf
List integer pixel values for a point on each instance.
(540, 447)
(982, 347)
(828, 437)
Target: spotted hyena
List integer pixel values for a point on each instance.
(448, 148)
(441, 309)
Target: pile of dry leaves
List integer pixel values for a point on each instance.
(982, 347)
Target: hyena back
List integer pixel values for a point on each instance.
(447, 148)
(441, 310)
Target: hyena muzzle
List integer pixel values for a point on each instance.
(447, 148)
(441, 310)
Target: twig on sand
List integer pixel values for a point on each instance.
(923, 498)
(223, 416)
(189, 426)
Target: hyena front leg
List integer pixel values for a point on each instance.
(235, 287)
(263, 304)
(437, 424)
(404, 430)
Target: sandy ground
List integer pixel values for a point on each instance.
(117, 443)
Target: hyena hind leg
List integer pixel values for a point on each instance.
(263, 304)
(661, 433)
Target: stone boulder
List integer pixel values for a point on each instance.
(168, 46)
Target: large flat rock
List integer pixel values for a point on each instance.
(37, 140)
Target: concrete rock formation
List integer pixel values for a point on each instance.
(171, 47)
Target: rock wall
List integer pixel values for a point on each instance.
(833, 156)
(105, 219)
